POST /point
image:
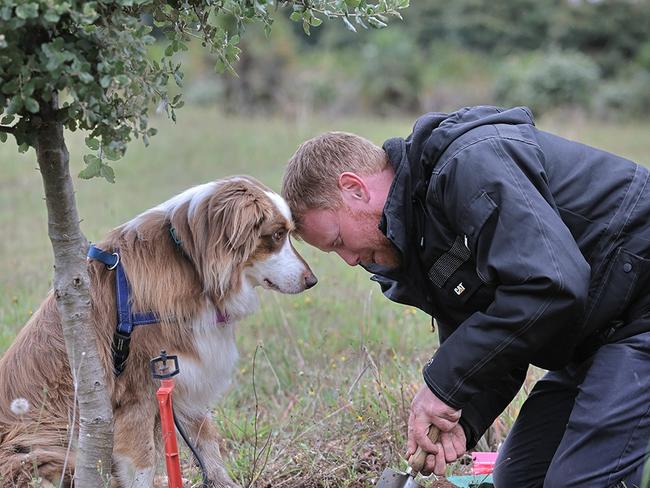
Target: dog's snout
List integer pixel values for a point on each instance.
(310, 279)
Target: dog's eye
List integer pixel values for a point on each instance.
(279, 235)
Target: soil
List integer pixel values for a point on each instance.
(442, 484)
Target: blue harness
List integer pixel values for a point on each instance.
(126, 320)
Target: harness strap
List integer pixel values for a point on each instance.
(126, 320)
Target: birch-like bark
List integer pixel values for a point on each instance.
(71, 289)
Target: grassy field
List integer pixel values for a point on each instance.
(325, 377)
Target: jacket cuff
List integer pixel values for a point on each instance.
(428, 379)
(472, 423)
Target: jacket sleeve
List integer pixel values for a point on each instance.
(484, 407)
(494, 193)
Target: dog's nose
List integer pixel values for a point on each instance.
(310, 280)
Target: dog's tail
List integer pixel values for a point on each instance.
(28, 455)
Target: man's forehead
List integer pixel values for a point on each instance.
(319, 226)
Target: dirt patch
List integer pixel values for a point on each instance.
(442, 484)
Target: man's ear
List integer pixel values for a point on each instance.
(353, 189)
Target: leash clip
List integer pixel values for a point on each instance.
(159, 368)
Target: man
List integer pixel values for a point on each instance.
(526, 248)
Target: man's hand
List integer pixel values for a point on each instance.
(450, 446)
(426, 410)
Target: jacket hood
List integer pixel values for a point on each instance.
(434, 132)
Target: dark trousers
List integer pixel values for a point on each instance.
(587, 425)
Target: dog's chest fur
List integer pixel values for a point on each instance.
(206, 375)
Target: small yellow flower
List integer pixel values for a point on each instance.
(359, 418)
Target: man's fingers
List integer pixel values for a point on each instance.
(429, 465)
(460, 445)
(440, 462)
(444, 425)
(420, 434)
(448, 446)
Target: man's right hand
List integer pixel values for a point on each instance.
(451, 446)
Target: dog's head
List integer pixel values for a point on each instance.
(237, 229)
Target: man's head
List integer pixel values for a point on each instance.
(336, 185)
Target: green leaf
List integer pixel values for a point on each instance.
(15, 105)
(51, 16)
(22, 148)
(32, 105)
(123, 79)
(3, 137)
(352, 3)
(91, 159)
(376, 23)
(296, 16)
(27, 11)
(305, 26)
(85, 77)
(107, 172)
(315, 21)
(93, 168)
(349, 25)
(10, 87)
(7, 119)
(92, 143)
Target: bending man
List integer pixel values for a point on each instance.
(526, 248)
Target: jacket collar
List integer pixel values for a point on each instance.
(397, 214)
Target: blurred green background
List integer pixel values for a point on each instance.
(587, 57)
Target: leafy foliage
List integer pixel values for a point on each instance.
(548, 80)
(92, 57)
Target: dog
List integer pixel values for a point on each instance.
(195, 261)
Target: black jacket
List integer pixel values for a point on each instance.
(521, 244)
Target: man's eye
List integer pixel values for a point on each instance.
(279, 235)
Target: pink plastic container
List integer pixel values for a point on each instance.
(483, 462)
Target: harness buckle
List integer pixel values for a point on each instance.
(116, 262)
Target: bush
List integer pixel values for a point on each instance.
(545, 81)
(624, 98)
(390, 72)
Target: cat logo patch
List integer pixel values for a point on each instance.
(459, 289)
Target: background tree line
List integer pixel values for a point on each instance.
(591, 56)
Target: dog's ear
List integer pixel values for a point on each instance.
(231, 223)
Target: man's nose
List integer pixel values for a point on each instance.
(349, 257)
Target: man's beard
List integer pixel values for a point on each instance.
(384, 253)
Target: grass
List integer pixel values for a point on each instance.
(325, 377)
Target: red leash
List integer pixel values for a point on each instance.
(161, 371)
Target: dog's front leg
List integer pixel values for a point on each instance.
(134, 448)
(205, 437)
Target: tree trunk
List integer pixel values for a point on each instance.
(71, 289)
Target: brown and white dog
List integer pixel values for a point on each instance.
(234, 237)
